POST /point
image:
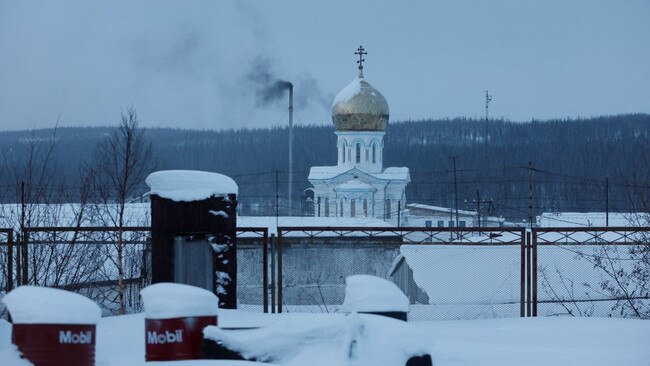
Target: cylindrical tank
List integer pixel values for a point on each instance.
(53, 327)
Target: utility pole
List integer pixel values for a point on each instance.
(478, 207)
(290, 149)
(607, 201)
(488, 99)
(277, 200)
(530, 194)
(453, 159)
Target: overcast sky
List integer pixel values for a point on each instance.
(198, 64)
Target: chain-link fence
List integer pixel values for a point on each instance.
(446, 273)
(85, 260)
(592, 272)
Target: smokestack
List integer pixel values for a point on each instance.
(290, 86)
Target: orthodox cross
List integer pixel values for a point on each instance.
(361, 59)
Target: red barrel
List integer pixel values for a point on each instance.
(56, 344)
(175, 338)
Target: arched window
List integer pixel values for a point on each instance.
(353, 207)
(341, 207)
(365, 207)
(374, 153)
(358, 153)
(387, 212)
(327, 207)
(343, 152)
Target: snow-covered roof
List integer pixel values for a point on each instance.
(296, 221)
(329, 172)
(598, 219)
(367, 293)
(190, 185)
(447, 210)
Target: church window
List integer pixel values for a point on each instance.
(427, 223)
(341, 207)
(374, 153)
(343, 153)
(353, 207)
(327, 207)
(358, 153)
(367, 155)
(365, 207)
(388, 213)
(441, 223)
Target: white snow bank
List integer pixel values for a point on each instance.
(373, 294)
(563, 341)
(190, 185)
(175, 300)
(348, 92)
(45, 305)
(352, 340)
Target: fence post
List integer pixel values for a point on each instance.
(528, 274)
(25, 258)
(522, 310)
(272, 274)
(534, 272)
(10, 260)
(265, 271)
(279, 270)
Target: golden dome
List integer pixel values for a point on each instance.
(360, 107)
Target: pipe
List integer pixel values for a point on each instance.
(290, 147)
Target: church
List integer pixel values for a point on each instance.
(359, 185)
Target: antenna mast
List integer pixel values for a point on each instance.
(488, 99)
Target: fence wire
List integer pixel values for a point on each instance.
(602, 272)
(445, 273)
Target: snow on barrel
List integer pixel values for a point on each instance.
(175, 317)
(374, 295)
(53, 327)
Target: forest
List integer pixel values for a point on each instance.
(583, 164)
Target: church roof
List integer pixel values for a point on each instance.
(330, 172)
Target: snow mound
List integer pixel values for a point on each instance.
(44, 305)
(175, 300)
(351, 340)
(373, 294)
(190, 185)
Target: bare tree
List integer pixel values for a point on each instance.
(120, 164)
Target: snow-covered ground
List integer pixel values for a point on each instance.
(530, 341)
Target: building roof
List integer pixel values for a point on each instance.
(330, 172)
(592, 219)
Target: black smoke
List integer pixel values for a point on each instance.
(269, 88)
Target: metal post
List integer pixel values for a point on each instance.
(19, 261)
(279, 270)
(522, 289)
(607, 201)
(25, 258)
(290, 148)
(530, 194)
(478, 208)
(265, 271)
(10, 260)
(272, 274)
(528, 274)
(534, 272)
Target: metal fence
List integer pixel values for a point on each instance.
(595, 271)
(447, 273)
(84, 260)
